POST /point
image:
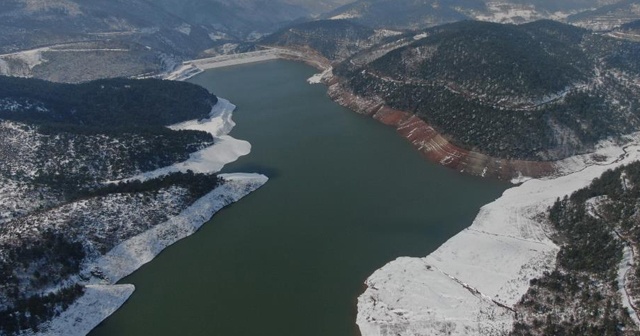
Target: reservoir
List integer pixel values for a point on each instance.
(346, 195)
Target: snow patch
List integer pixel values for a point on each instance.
(420, 36)
(21, 63)
(504, 248)
(345, 16)
(387, 32)
(217, 36)
(225, 149)
(317, 78)
(184, 28)
(97, 303)
(139, 250)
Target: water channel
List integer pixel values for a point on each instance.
(346, 195)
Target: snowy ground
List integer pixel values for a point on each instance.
(624, 268)
(515, 13)
(103, 298)
(468, 285)
(317, 78)
(225, 149)
(88, 311)
(139, 250)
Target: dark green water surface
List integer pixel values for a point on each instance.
(346, 196)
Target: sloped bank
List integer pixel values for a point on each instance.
(470, 285)
(102, 297)
(433, 145)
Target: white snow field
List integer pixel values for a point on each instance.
(469, 284)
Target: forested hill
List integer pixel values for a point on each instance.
(75, 136)
(597, 273)
(540, 91)
(531, 60)
(61, 144)
(103, 104)
(420, 14)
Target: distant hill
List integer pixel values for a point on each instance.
(406, 14)
(539, 91)
(238, 18)
(63, 40)
(241, 18)
(415, 14)
(607, 17)
(333, 39)
(57, 21)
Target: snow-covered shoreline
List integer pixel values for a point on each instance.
(102, 296)
(469, 285)
(225, 149)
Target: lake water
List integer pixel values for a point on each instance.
(346, 195)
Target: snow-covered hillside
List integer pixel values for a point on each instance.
(53, 238)
(471, 284)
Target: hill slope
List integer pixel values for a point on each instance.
(607, 17)
(406, 14)
(413, 14)
(61, 143)
(590, 293)
(333, 39)
(63, 40)
(539, 91)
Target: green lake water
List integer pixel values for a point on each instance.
(346, 195)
